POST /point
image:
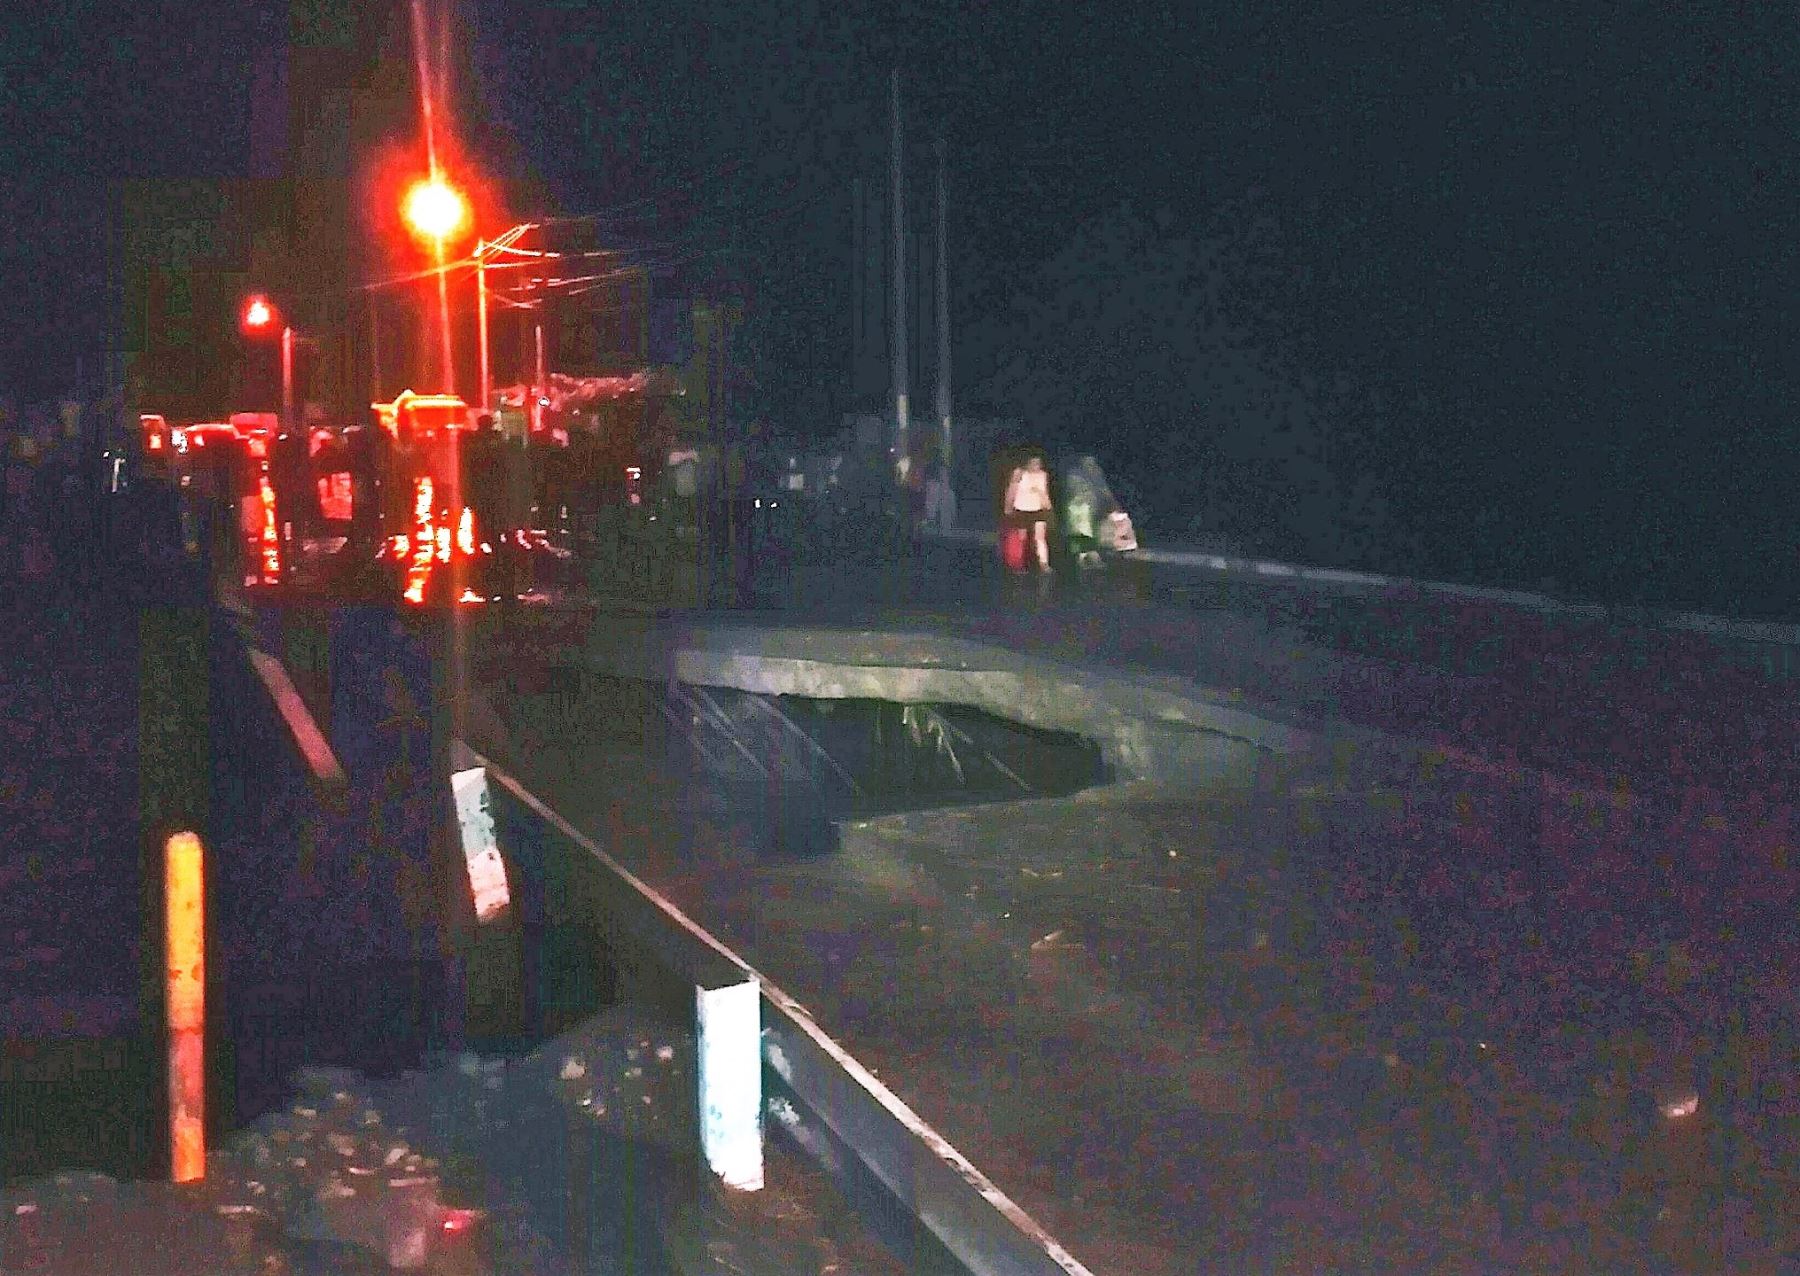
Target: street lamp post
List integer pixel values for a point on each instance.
(287, 376)
(435, 211)
(260, 317)
(540, 389)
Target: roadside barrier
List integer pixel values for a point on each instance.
(753, 1036)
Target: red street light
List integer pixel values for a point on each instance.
(260, 317)
(258, 314)
(435, 209)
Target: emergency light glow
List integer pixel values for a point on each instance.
(270, 541)
(420, 568)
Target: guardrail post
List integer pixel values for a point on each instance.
(494, 981)
(662, 958)
(728, 1032)
(480, 843)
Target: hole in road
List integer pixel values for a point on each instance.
(788, 768)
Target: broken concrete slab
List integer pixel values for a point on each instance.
(1147, 728)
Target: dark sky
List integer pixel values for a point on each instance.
(1557, 248)
(1562, 236)
(91, 91)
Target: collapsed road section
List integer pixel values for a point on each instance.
(1326, 1008)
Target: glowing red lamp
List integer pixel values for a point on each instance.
(435, 209)
(259, 315)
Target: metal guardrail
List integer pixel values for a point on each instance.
(666, 958)
(978, 1228)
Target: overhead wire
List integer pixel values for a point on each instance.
(473, 261)
(504, 253)
(415, 276)
(580, 285)
(537, 262)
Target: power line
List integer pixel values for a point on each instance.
(521, 252)
(579, 285)
(430, 272)
(471, 262)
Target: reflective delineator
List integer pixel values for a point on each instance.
(185, 947)
(480, 842)
(729, 1022)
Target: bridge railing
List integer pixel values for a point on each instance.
(918, 1191)
(660, 958)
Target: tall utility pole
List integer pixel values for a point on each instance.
(858, 283)
(447, 371)
(943, 318)
(897, 338)
(540, 390)
(481, 318)
(374, 352)
(287, 377)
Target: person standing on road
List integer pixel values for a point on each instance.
(365, 510)
(485, 493)
(1088, 504)
(1027, 505)
(217, 468)
(481, 477)
(512, 515)
(940, 498)
(290, 473)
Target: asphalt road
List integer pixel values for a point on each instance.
(1518, 1003)
(1608, 701)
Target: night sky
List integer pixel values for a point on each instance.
(1546, 263)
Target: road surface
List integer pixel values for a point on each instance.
(1515, 997)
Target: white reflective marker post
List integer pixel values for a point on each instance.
(480, 843)
(729, 1033)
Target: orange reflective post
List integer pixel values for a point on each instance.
(185, 944)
